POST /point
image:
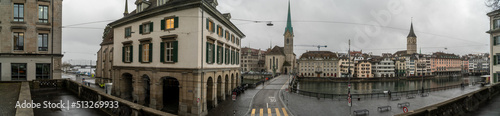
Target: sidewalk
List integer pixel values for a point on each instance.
(9, 95)
(301, 105)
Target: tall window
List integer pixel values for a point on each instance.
(128, 31)
(227, 35)
(42, 71)
(169, 23)
(18, 41)
(43, 42)
(146, 28)
(496, 40)
(169, 51)
(145, 52)
(210, 53)
(127, 53)
(232, 38)
(220, 31)
(496, 23)
(18, 71)
(210, 25)
(43, 14)
(219, 54)
(227, 56)
(18, 12)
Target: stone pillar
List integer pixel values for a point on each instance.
(153, 89)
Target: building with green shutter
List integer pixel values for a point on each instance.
(178, 56)
(494, 32)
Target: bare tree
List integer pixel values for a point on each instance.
(66, 66)
(493, 4)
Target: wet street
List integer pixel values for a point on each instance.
(267, 101)
(54, 96)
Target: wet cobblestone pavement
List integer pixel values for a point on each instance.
(9, 94)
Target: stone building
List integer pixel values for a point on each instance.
(319, 64)
(446, 64)
(363, 69)
(400, 68)
(411, 45)
(252, 60)
(345, 66)
(383, 67)
(104, 64)
(282, 59)
(178, 56)
(30, 39)
(494, 32)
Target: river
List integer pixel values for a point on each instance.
(377, 87)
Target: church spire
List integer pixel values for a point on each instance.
(412, 34)
(289, 21)
(126, 8)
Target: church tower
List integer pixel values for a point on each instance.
(288, 36)
(411, 46)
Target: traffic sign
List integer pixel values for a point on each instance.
(234, 97)
(405, 109)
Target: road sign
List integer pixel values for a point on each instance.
(405, 109)
(234, 96)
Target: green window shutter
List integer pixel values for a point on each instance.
(213, 53)
(131, 53)
(123, 54)
(208, 24)
(150, 52)
(162, 24)
(175, 45)
(176, 22)
(140, 52)
(151, 27)
(217, 29)
(206, 55)
(494, 40)
(495, 59)
(495, 77)
(218, 55)
(162, 52)
(213, 28)
(140, 29)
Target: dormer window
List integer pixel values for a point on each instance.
(161, 2)
(139, 7)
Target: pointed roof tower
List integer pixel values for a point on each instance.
(126, 8)
(289, 21)
(411, 34)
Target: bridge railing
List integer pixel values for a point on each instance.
(459, 105)
(125, 108)
(370, 95)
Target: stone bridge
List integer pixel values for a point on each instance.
(459, 105)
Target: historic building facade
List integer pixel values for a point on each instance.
(363, 69)
(178, 56)
(446, 64)
(383, 67)
(30, 35)
(104, 64)
(319, 64)
(282, 59)
(494, 32)
(411, 45)
(252, 60)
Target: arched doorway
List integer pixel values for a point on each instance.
(170, 95)
(227, 85)
(127, 88)
(286, 71)
(147, 89)
(233, 82)
(238, 80)
(210, 96)
(220, 95)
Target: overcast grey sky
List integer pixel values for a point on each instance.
(377, 26)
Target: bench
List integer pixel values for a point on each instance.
(410, 96)
(384, 108)
(404, 104)
(395, 98)
(361, 112)
(425, 94)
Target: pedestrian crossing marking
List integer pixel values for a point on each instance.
(284, 112)
(253, 112)
(261, 112)
(269, 113)
(277, 112)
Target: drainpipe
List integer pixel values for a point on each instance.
(52, 41)
(202, 72)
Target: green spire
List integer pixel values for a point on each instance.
(289, 21)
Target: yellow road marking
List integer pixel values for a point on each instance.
(284, 112)
(261, 112)
(277, 112)
(269, 113)
(253, 112)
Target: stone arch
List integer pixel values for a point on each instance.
(210, 95)
(170, 94)
(146, 84)
(227, 85)
(126, 87)
(220, 93)
(237, 80)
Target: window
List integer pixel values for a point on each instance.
(227, 56)
(219, 54)
(237, 41)
(42, 71)
(43, 42)
(496, 40)
(210, 53)
(232, 38)
(170, 23)
(18, 41)
(18, 12)
(210, 25)
(227, 35)
(161, 2)
(146, 28)
(232, 57)
(127, 53)
(145, 52)
(18, 71)
(220, 31)
(43, 14)
(128, 31)
(169, 51)
(496, 23)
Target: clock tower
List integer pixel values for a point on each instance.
(411, 45)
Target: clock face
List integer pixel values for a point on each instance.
(411, 40)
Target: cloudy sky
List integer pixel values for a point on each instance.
(374, 26)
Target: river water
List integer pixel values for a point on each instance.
(377, 87)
